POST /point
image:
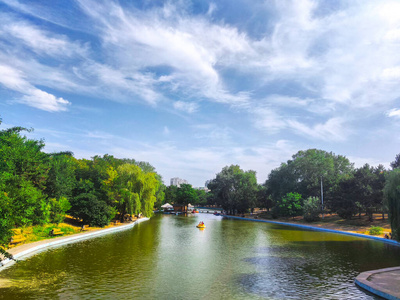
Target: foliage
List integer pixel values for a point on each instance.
(392, 194)
(375, 230)
(264, 199)
(289, 206)
(363, 191)
(186, 194)
(312, 209)
(201, 197)
(304, 172)
(58, 209)
(396, 163)
(344, 203)
(61, 177)
(234, 189)
(91, 210)
(171, 194)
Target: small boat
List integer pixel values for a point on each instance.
(201, 225)
(195, 211)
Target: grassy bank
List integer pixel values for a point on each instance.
(357, 225)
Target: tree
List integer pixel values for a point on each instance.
(87, 206)
(201, 197)
(345, 193)
(369, 184)
(58, 209)
(303, 174)
(186, 194)
(23, 174)
(312, 209)
(61, 177)
(396, 163)
(291, 205)
(264, 198)
(234, 189)
(171, 194)
(392, 194)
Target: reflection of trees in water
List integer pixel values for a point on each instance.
(315, 269)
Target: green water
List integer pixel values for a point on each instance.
(167, 257)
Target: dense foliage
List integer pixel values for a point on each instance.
(312, 209)
(234, 189)
(290, 205)
(392, 193)
(38, 188)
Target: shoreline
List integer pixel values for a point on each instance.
(26, 250)
(317, 228)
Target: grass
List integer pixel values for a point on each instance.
(42, 232)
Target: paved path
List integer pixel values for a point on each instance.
(383, 282)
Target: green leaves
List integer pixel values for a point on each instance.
(234, 189)
(392, 194)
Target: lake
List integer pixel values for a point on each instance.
(167, 257)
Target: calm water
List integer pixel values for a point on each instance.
(169, 258)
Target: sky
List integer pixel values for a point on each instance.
(193, 86)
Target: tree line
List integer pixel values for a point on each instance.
(39, 188)
(311, 183)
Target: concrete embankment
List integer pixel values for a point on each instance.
(383, 282)
(24, 251)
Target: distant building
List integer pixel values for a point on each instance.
(178, 181)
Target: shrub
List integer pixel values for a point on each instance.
(312, 209)
(375, 230)
(289, 206)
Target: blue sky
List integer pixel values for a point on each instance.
(193, 86)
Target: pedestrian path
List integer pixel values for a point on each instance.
(383, 282)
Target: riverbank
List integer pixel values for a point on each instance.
(29, 249)
(359, 225)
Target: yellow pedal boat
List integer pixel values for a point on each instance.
(201, 225)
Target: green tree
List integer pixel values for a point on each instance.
(171, 194)
(392, 194)
(396, 163)
(23, 174)
(312, 209)
(58, 209)
(186, 194)
(86, 205)
(201, 197)
(291, 205)
(235, 190)
(61, 177)
(344, 202)
(303, 174)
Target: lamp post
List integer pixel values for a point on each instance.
(322, 198)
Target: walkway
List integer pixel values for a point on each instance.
(384, 282)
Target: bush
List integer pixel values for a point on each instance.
(312, 209)
(58, 209)
(375, 230)
(91, 210)
(289, 206)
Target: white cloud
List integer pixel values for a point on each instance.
(188, 107)
(395, 112)
(39, 40)
(332, 130)
(14, 80)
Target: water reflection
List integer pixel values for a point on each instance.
(169, 258)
